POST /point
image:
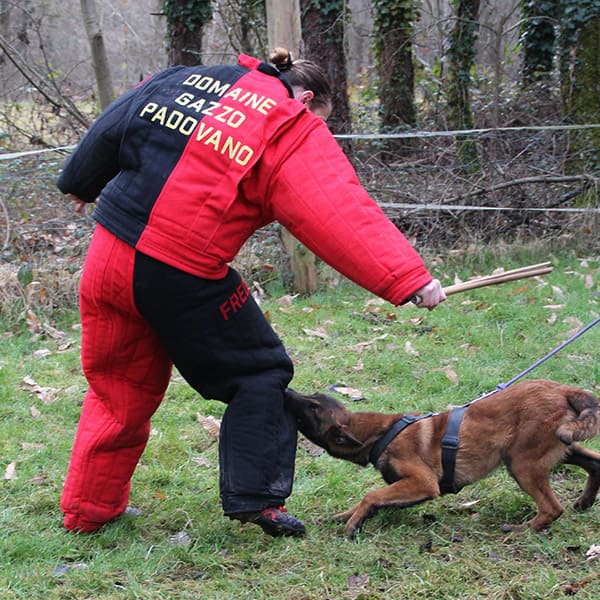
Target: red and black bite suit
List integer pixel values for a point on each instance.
(187, 166)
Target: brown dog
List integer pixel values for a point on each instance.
(530, 427)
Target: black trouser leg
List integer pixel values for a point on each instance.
(222, 344)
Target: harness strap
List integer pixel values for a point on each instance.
(450, 443)
(394, 430)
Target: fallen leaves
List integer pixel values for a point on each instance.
(319, 332)
(352, 393)
(210, 424)
(45, 394)
(409, 349)
(593, 552)
(358, 582)
(10, 473)
(450, 374)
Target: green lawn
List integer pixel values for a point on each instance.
(399, 359)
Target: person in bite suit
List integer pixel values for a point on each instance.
(185, 168)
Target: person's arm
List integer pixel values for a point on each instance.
(95, 160)
(315, 193)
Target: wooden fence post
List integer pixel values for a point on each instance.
(284, 29)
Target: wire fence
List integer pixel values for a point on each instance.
(518, 184)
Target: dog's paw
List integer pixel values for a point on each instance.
(582, 504)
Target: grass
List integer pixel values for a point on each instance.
(182, 547)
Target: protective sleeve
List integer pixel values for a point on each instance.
(315, 193)
(95, 160)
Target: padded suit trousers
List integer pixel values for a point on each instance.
(139, 317)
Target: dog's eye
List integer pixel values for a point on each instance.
(340, 440)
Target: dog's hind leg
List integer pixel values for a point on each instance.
(535, 482)
(590, 462)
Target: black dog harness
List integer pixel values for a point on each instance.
(450, 443)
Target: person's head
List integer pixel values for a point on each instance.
(308, 81)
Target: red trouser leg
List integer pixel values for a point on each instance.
(127, 371)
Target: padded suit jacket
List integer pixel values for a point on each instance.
(190, 163)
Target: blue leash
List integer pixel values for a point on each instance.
(450, 440)
(501, 386)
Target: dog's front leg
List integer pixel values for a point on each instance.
(405, 492)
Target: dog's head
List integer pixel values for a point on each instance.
(326, 422)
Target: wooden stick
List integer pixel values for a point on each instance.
(483, 281)
(495, 279)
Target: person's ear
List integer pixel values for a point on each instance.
(306, 96)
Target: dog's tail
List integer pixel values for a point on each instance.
(585, 424)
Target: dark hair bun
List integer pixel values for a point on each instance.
(281, 58)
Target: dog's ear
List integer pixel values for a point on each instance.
(340, 436)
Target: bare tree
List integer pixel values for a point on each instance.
(185, 20)
(461, 59)
(323, 38)
(99, 60)
(395, 62)
(580, 73)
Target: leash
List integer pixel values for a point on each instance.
(536, 364)
(451, 440)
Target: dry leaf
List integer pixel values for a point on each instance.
(33, 323)
(39, 480)
(554, 306)
(352, 393)
(53, 333)
(593, 552)
(34, 412)
(287, 299)
(45, 394)
(320, 333)
(64, 347)
(11, 471)
(589, 281)
(552, 318)
(201, 461)
(32, 446)
(409, 349)
(361, 345)
(375, 302)
(210, 425)
(575, 325)
(359, 366)
(181, 539)
(464, 505)
(41, 353)
(558, 292)
(311, 449)
(450, 373)
(358, 582)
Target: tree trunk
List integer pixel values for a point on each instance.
(580, 90)
(323, 38)
(538, 40)
(393, 24)
(461, 59)
(99, 59)
(185, 20)
(283, 29)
